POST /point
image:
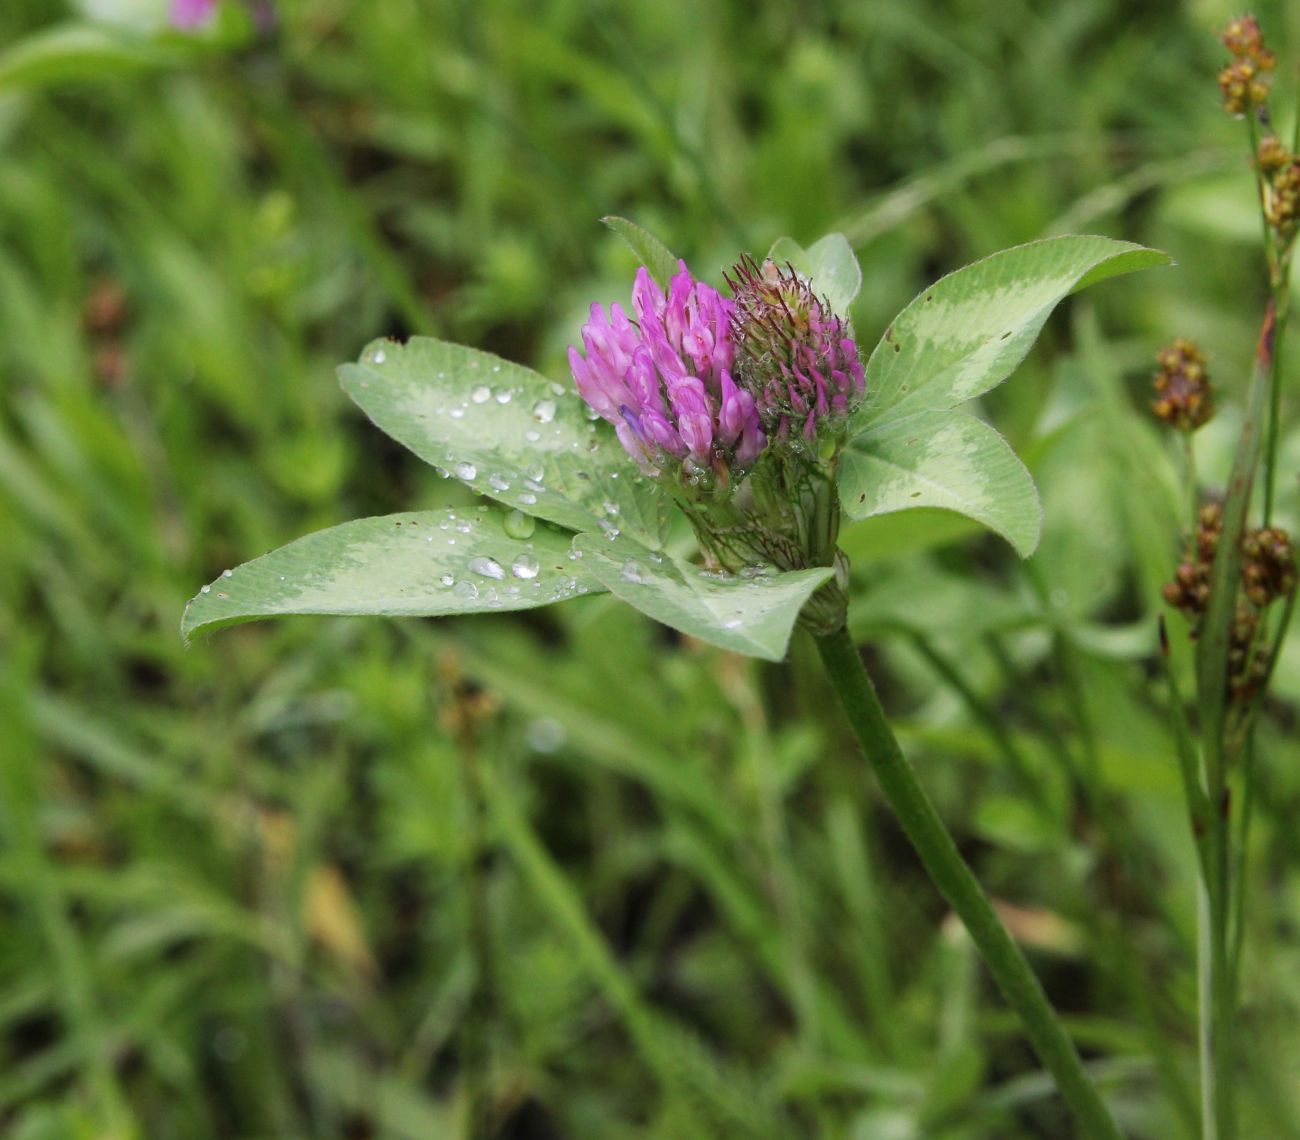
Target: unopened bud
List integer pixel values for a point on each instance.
(793, 353)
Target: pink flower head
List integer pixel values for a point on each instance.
(190, 14)
(664, 379)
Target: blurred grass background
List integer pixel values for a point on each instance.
(561, 874)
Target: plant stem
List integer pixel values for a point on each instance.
(958, 884)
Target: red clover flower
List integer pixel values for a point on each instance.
(664, 380)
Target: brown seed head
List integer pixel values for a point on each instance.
(1183, 398)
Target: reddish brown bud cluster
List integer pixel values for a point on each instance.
(1281, 176)
(1245, 81)
(1268, 572)
(1183, 399)
(1268, 569)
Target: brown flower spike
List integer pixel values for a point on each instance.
(1245, 81)
(1183, 398)
(1268, 572)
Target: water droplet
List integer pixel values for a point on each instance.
(544, 411)
(442, 472)
(496, 368)
(545, 735)
(733, 623)
(465, 470)
(442, 376)
(380, 356)
(487, 568)
(463, 528)
(632, 572)
(609, 507)
(206, 590)
(281, 577)
(528, 498)
(498, 482)
(532, 436)
(466, 590)
(519, 525)
(656, 557)
(503, 397)
(447, 580)
(611, 531)
(533, 485)
(525, 566)
(574, 555)
(227, 573)
(481, 395)
(537, 473)
(456, 413)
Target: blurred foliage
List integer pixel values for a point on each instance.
(563, 875)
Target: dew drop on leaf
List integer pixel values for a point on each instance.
(519, 525)
(525, 566)
(466, 590)
(532, 436)
(481, 394)
(465, 470)
(487, 568)
(498, 482)
(632, 572)
(544, 411)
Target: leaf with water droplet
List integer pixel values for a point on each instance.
(399, 565)
(749, 615)
(428, 395)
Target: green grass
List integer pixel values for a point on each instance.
(563, 875)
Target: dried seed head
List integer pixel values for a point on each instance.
(1268, 572)
(1272, 155)
(1245, 81)
(1268, 569)
(1183, 397)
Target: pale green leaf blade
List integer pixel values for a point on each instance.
(829, 264)
(941, 459)
(967, 332)
(649, 250)
(749, 615)
(506, 431)
(419, 564)
(72, 52)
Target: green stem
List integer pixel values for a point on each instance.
(1281, 300)
(957, 883)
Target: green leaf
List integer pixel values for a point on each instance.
(421, 564)
(965, 334)
(76, 51)
(941, 459)
(650, 251)
(749, 615)
(829, 264)
(505, 431)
